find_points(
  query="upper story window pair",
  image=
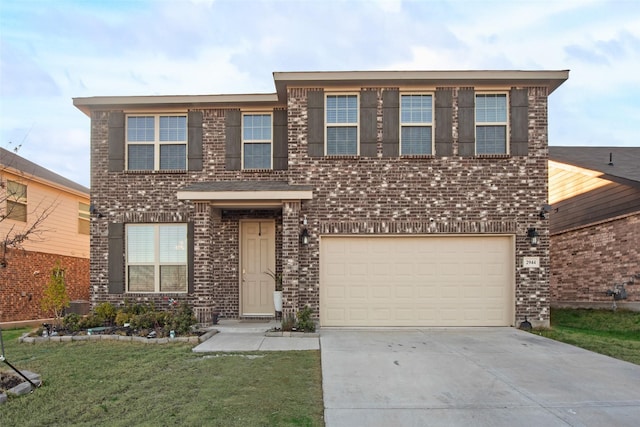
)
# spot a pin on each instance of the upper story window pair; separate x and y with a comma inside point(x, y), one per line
point(159, 142)
point(416, 124)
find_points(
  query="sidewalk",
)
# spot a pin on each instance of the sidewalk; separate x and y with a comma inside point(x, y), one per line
point(238, 335)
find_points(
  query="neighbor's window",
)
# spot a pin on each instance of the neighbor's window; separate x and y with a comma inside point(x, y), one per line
point(156, 257)
point(342, 124)
point(83, 218)
point(416, 123)
point(16, 201)
point(157, 142)
point(256, 141)
point(491, 123)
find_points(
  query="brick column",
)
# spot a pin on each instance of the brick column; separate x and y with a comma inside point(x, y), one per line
point(290, 253)
point(203, 269)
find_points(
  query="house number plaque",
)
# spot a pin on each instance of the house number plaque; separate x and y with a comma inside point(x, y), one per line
point(531, 262)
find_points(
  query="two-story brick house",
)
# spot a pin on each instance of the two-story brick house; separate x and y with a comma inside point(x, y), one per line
point(383, 198)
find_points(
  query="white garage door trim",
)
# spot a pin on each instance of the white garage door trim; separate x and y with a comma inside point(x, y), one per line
point(434, 280)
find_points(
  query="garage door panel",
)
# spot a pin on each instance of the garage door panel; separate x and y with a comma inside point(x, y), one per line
point(416, 281)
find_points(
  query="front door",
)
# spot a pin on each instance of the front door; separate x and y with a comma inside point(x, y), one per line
point(258, 255)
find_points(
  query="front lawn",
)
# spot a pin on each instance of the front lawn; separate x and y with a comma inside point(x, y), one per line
point(122, 384)
point(614, 333)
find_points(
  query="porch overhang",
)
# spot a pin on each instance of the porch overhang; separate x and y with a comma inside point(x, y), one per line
point(245, 194)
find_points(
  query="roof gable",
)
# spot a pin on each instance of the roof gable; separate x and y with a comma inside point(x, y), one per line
point(621, 162)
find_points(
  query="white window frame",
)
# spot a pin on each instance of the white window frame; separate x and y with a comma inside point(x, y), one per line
point(84, 218)
point(479, 124)
point(16, 199)
point(156, 140)
point(156, 263)
point(328, 125)
point(419, 124)
point(256, 141)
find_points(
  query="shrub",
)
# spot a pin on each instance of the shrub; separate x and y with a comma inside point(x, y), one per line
point(305, 323)
point(288, 323)
point(182, 319)
point(91, 321)
point(122, 318)
point(106, 311)
point(72, 322)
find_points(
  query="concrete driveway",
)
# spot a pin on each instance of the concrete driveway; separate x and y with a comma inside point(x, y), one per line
point(471, 377)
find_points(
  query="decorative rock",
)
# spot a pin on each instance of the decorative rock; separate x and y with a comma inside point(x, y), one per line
point(3, 398)
point(20, 389)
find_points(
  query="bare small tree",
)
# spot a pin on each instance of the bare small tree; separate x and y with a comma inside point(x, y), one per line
point(12, 192)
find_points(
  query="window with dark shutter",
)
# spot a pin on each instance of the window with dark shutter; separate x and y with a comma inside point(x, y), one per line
point(390, 123)
point(194, 144)
point(116, 141)
point(233, 148)
point(368, 123)
point(315, 117)
point(280, 140)
point(466, 123)
point(444, 123)
point(519, 121)
point(116, 258)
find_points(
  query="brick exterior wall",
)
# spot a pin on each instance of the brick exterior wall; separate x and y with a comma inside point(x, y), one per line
point(588, 261)
point(27, 274)
point(351, 195)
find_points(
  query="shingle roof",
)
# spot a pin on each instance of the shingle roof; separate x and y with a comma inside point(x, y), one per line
point(625, 161)
point(11, 160)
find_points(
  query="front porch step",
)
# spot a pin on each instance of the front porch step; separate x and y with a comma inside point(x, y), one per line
point(240, 326)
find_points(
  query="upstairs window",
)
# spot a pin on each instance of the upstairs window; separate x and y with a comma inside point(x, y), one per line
point(416, 124)
point(157, 142)
point(257, 139)
point(156, 257)
point(491, 123)
point(83, 218)
point(341, 125)
point(16, 201)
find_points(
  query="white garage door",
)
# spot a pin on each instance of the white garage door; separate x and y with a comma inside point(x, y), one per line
point(417, 281)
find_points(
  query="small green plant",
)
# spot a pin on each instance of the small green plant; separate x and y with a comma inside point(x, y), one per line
point(182, 319)
point(305, 323)
point(91, 321)
point(55, 298)
point(72, 322)
point(107, 311)
point(122, 317)
point(288, 322)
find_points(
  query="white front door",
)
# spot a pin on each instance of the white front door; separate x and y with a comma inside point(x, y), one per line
point(258, 255)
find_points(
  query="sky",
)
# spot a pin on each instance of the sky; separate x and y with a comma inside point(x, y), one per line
point(53, 51)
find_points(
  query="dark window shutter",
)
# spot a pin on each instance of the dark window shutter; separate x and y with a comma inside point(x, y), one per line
point(116, 141)
point(368, 123)
point(444, 122)
point(280, 140)
point(391, 123)
point(116, 258)
point(233, 119)
point(315, 117)
point(190, 257)
point(466, 123)
point(194, 145)
point(519, 99)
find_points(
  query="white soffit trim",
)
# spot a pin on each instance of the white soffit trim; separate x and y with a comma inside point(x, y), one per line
point(245, 195)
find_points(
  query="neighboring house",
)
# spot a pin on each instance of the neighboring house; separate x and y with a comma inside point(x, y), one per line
point(30, 193)
point(595, 225)
point(383, 198)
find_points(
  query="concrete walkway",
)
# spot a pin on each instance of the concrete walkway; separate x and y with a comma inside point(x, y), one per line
point(235, 335)
point(471, 377)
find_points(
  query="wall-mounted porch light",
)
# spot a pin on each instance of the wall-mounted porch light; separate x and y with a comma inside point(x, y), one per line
point(304, 236)
point(533, 235)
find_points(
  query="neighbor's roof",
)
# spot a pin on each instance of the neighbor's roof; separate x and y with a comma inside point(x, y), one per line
point(335, 79)
point(625, 161)
point(19, 164)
